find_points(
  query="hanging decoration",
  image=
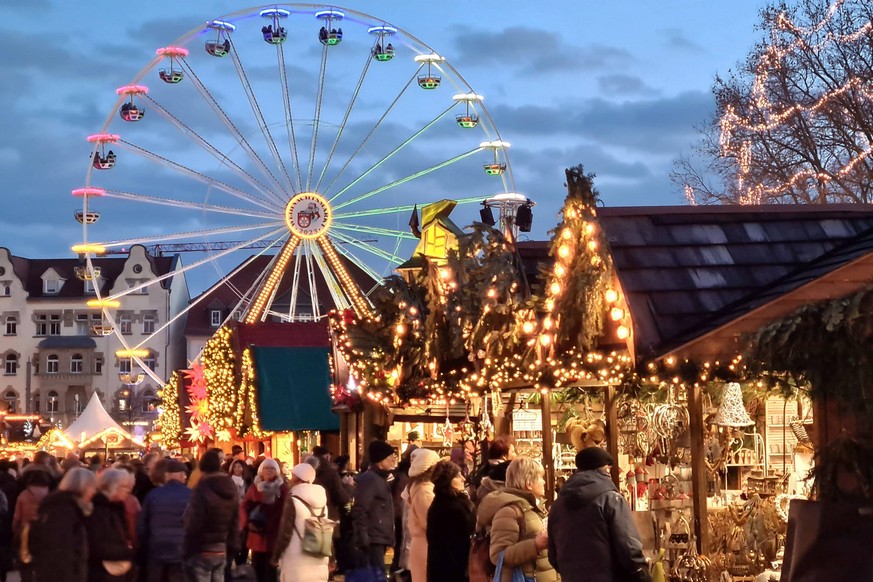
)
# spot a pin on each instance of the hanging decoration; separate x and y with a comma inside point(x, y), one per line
point(199, 430)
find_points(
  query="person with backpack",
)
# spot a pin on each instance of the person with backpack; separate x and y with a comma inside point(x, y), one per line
point(298, 553)
point(514, 518)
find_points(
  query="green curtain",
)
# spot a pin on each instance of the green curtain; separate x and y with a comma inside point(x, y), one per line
point(294, 389)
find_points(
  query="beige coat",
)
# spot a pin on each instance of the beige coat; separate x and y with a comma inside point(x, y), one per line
point(418, 502)
point(503, 511)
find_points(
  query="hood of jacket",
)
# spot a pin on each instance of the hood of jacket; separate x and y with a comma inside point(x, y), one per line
point(66, 498)
point(314, 495)
point(585, 486)
point(497, 500)
point(218, 485)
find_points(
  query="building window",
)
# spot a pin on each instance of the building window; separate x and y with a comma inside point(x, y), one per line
point(54, 327)
point(89, 286)
point(51, 364)
point(98, 365)
point(150, 362)
point(76, 364)
point(11, 399)
point(51, 286)
point(124, 366)
point(148, 324)
point(36, 403)
point(52, 402)
point(124, 324)
point(7, 290)
point(147, 401)
point(83, 324)
point(215, 317)
point(11, 365)
point(41, 324)
point(79, 401)
point(11, 325)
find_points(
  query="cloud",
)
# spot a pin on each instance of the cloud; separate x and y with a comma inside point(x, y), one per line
point(620, 85)
point(676, 39)
point(533, 51)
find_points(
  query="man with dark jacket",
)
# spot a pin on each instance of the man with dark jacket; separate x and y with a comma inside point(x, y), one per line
point(373, 513)
point(592, 537)
point(159, 527)
point(327, 476)
point(211, 522)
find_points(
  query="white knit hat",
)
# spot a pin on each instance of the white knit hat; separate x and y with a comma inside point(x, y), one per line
point(268, 464)
point(305, 472)
point(422, 460)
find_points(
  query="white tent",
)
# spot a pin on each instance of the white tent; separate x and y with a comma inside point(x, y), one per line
point(95, 424)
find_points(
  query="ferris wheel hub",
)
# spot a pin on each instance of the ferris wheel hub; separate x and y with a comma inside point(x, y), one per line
point(308, 215)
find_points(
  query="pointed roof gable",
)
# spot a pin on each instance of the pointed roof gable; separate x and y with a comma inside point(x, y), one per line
point(93, 420)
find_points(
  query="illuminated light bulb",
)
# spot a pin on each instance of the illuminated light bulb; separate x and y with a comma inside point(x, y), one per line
point(589, 228)
point(592, 245)
point(555, 288)
point(560, 271)
point(563, 251)
point(445, 273)
point(491, 293)
point(566, 234)
point(611, 296)
point(545, 339)
point(527, 327)
point(616, 313)
point(671, 360)
point(103, 303)
point(400, 329)
point(547, 323)
point(622, 332)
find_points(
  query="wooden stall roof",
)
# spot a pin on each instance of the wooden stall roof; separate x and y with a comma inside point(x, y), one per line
point(698, 277)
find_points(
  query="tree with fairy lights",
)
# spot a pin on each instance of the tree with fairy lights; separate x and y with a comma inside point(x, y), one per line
point(794, 122)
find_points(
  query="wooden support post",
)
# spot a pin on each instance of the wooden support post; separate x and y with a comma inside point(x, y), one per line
point(612, 432)
point(503, 417)
point(548, 457)
point(698, 468)
point(360, 447)
point(344, 433)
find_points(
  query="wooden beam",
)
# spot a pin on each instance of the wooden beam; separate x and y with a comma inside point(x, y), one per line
point(612, 432)
point(548, 458)
point(698, 469)
point(503, 417)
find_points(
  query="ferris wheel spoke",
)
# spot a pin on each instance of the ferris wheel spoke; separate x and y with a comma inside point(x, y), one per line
point(400, 147)
point(382, 254)
point(336, 290)
point(144, 198)
point(214, 151)
point(345, 120)
point(262, 124)
point(310, 275)
point(193, 233)
point(212, 182)
point(401, 234)
point(369, 135)
point(295, 283)
point(289, 118)
point(408, 178)
point(359, 263)
point(319, 98)
point(194, 265)
point(396, 209)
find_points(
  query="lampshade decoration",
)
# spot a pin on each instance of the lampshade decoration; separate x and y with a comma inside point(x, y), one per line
point(731, 411)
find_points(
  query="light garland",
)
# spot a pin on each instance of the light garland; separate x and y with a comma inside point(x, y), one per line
point(221, 381)
point(170, 417)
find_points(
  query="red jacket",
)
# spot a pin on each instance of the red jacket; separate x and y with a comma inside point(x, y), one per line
point(263, 541)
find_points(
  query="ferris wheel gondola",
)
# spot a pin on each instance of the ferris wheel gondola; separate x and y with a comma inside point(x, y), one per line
point(320, 176)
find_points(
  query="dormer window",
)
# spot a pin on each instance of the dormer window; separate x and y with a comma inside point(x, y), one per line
point(51, 286)
point(215, 317)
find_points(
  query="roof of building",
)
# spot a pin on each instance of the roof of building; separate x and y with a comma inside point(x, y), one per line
point(690, 270)
point(61, 342)
point(226, 293)
point(30, 272)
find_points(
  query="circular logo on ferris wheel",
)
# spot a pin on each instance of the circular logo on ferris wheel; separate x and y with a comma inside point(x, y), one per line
point(308, 215)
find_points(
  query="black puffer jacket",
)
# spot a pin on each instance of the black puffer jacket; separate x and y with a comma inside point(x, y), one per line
point(373, 512)
point(592, 537)
point(107, 540)
point(59, 539)
point(212, 517)
point(450, 523)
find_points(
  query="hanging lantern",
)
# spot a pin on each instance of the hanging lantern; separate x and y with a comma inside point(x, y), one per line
point(731, 411)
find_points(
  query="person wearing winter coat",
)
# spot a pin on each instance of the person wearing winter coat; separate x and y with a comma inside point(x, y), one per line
point(59, 535)
point(450, 523)
point(592, 536)
point(110, 556)
point(305, 499)
point(26, 509)
point(373, 512)
point(515, 520)
point(418, 497)
point(211, 522)
point(159, 527)
point(267, 497)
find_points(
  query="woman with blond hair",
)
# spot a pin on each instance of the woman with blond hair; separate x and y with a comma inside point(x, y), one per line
point(418, 496)
point(515, 519)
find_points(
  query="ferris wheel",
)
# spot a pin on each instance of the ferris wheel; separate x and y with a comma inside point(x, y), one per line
point(299, 132)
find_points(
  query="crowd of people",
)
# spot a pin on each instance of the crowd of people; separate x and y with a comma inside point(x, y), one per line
point(161, 519)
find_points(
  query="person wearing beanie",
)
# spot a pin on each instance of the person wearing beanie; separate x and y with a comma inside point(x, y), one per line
point(211, 521)
point(159, 529)
point(306, 499)
point(592, 536)
point(260, 515)
point(373, 512)
point(417, 499)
